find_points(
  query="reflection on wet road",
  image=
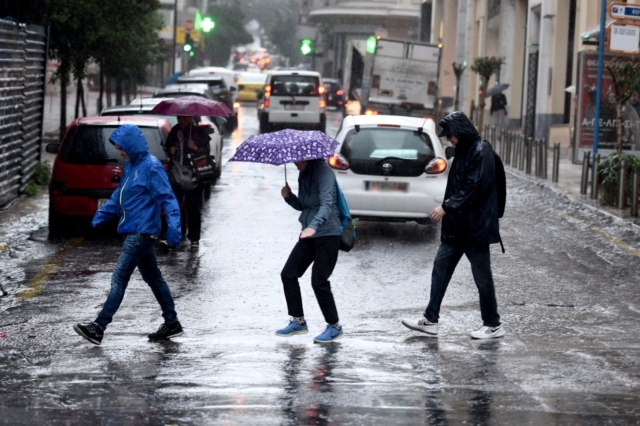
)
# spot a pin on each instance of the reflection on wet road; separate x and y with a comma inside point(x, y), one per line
point(568, 299)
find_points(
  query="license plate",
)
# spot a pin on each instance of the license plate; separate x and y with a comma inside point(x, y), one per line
point(294, 107)
point(384, 186)
point(102, 201)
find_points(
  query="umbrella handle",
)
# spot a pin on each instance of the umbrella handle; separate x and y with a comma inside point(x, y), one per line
point(285, 174)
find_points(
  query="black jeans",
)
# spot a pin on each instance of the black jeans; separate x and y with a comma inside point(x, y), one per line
point(190, 211)
point(323, 253)
point(445, 263)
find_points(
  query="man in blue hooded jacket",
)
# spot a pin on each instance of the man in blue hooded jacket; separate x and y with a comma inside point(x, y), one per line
point(143, 191)
point(469, 217)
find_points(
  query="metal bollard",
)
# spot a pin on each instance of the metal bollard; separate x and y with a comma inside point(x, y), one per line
point(555, 168)
point(545, 158)
point(508, 153)
point(622, 201)
point(501, 143)
point(595, 184)
point(492, 136)
point(634, 194)
point(534, 157)
point(585, 173)
point(528, 155)
point(523, 146)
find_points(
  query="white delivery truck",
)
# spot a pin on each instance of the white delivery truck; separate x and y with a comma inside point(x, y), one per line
point(398, 78)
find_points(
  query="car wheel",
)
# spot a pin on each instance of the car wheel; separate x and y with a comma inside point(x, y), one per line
point(57, 223)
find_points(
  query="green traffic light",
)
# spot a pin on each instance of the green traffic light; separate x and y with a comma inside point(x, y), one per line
point(305, 47)
point(371, 44)
point(207, 24)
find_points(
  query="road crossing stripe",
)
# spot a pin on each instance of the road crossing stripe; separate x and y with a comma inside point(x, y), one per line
point(47, 271)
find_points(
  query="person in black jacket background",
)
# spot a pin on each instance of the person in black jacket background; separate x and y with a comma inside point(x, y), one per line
point(469, 217)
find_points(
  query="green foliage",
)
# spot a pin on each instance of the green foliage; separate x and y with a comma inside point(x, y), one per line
point(228, 32)
point(42, 173)
point(609, 177)
point(485, 67)
point(31, 189)
point(626, 82)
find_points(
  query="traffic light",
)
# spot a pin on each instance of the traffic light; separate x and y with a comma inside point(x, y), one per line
point(188, 44)
point(207, 24)
point(371, 44)
point(306, 47)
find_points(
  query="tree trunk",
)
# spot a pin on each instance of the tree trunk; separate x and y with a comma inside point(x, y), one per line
point(109, 91)
point(63, 104)
point(118, 91)
point(100, 103)
point(456, 105)
point(84, 106)
point(483, 88)
point(619, 126)
point(78, 89)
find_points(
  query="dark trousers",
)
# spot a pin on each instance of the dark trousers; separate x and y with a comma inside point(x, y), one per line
point(190, 211)
point(137, 251)
point(323, 253)
point(445, 263)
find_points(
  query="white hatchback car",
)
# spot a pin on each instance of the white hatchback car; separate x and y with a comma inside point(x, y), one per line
point(391, 168)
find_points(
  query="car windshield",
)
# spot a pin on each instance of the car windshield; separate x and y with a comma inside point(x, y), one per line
point(407, 151)
point(178, 95)
point(214, 84)
point(294, 85)
point(89, 145)
point(253, 78)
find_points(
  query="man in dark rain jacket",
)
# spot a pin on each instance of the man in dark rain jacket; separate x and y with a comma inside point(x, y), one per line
point(469, 217)
point(143, 191)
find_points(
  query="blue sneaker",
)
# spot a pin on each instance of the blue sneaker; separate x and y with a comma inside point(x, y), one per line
point(329, 335)
point(292, 328)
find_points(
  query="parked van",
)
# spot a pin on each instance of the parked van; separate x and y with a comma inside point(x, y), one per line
point(293, 99)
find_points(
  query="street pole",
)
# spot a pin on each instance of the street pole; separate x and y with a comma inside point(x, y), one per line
point(175, 32)
point(596, 125)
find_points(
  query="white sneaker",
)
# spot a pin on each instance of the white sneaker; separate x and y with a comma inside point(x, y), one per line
point(487, 332)
point(423, 325)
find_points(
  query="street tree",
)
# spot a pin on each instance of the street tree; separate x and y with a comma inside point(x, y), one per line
point(626, 82)
point(228, 32)
point(458, 69)
point(485, 67)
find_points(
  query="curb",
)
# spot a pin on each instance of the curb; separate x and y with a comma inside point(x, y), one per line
point(573, 198)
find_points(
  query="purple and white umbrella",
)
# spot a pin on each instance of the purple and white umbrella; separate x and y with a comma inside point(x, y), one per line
point(191, 106)
point(286, 146)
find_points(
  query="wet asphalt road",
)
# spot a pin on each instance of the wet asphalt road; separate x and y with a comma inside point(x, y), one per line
point(567, 290)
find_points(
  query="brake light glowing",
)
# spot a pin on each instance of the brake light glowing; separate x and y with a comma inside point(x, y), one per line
point(236, 105)
point(436, 166)
point(370, 112)
point(321, 89)
point(340, 92)
point(267, 90)
point(338, 162)
point(266, 103)
point(322, 103)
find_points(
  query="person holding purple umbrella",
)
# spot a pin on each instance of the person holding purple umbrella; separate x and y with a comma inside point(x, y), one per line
point(185, 138)
point(319, 243)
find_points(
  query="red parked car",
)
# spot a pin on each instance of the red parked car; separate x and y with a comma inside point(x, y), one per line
point(87, 168)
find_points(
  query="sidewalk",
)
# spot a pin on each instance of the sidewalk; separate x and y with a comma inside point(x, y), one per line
point(568, 185)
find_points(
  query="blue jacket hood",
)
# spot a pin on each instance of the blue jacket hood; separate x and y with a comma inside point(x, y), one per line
point(130, 138)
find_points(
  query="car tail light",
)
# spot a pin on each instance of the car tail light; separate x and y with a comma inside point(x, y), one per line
point(371, 112)
point(322, 103)
point(267, 90)
point(340, 92)
point(320, 90)
point(56, 187)
point(236, 105)
point(436, 166)
point(266, 103)
point(338, 162)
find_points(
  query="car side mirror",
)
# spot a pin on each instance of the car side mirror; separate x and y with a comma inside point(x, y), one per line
point(449, 152)
point(52, 148)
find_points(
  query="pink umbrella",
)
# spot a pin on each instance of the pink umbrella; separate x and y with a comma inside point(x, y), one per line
point(192, 105)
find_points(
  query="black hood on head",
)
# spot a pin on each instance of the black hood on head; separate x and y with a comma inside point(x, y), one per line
point(459, 125)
